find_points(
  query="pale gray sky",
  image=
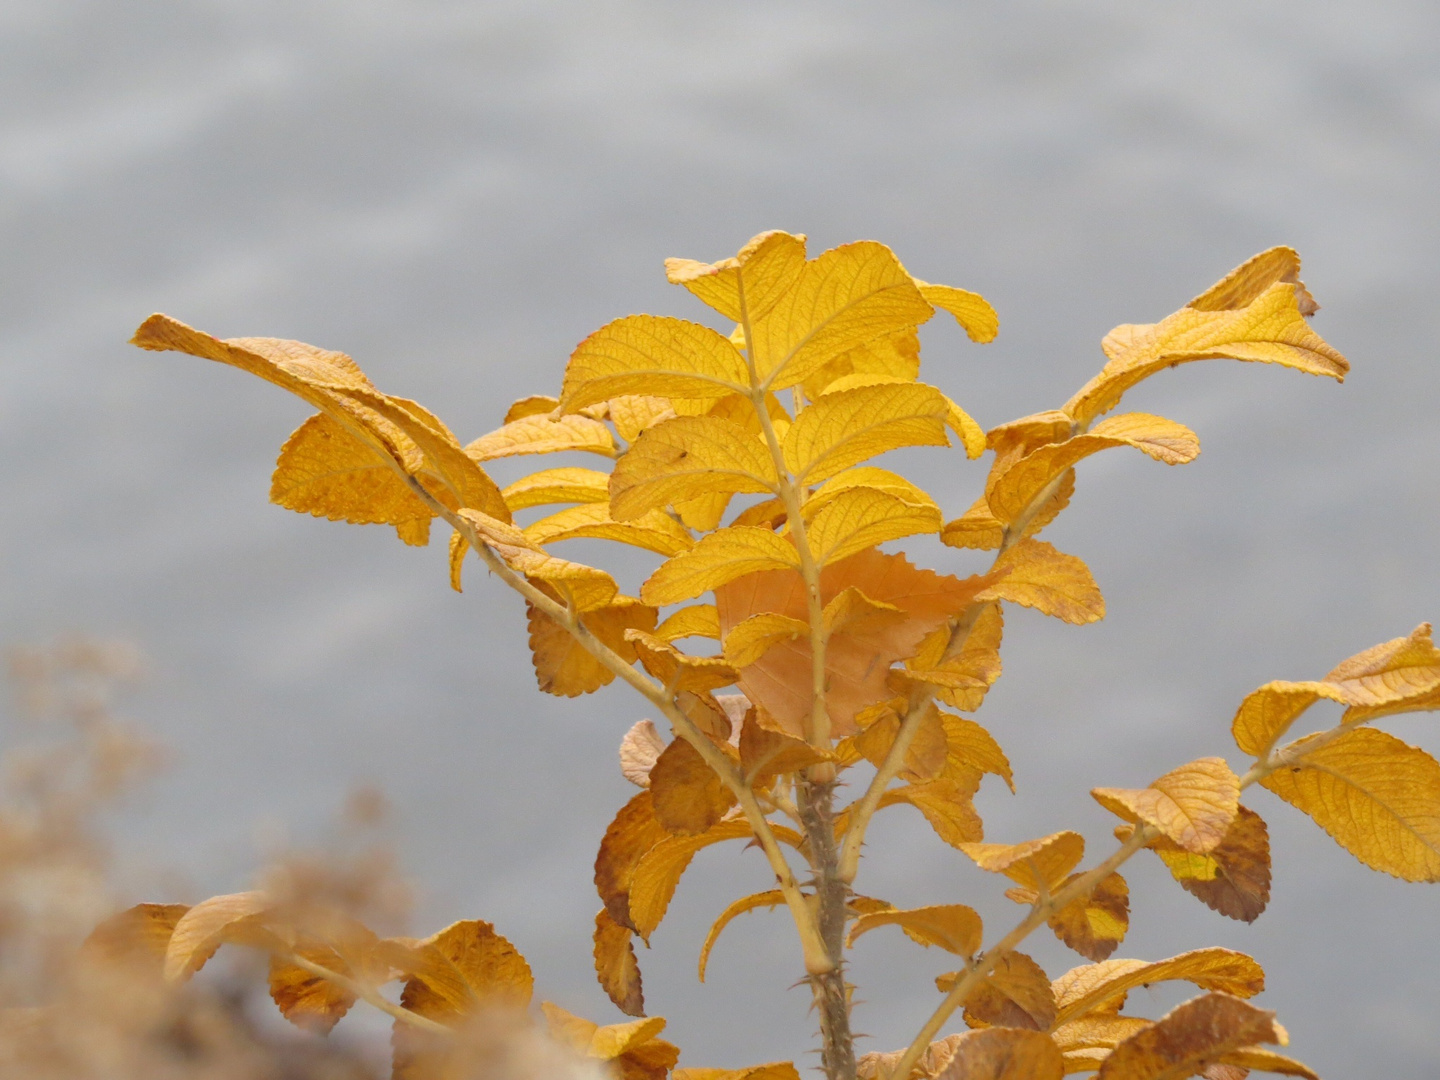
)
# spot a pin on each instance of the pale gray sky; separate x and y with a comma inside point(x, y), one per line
point(457, 192)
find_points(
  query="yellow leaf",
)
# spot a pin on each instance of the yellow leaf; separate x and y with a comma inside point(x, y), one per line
point(766, 754)
point(978, 528)
point(753, 638)
point(1389, 675)
point(491, 971)
point(1234, 878)
point(925, 758)
point(1034, 574)
point(1377, 796)
point(697, 620)
point(687, 794)
point(775, 1070)
point(851, 611)
point(1256, 313)
point(964, 679)
point(1033, 863)
point(972, 435)
point(616, 966)
point(845, 428)
point(584, 587)
point(534, 405)
point(954, 927)
point(686, 457)
point(1083, 989)
point(1259, 1060)
point(848, 296)
point(137, 936)
point(634, 413)
point(704, 512)
point(866, 476)
point(1093, 924)
point(305, 999)
point(1015, 994)
point(947, 805)
point(1189, 1037)
point(544, 434)
point(1003, 1053)
point(567, 485)
point(893, 357)
point(860, 518)
point(718, 558)
point(770, 899)
point(1193, 805)
point(643, 354)
point(566, 668)
point(326, 471)
point(971, 310)
point(653, 531)
point(748, 285)
point(1164, 440)
point(208, 925)
point(1097, 1031)
point(677, 669)
point(1267, 713)
point(632, 833)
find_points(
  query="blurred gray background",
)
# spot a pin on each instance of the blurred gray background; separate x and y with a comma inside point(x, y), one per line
point(457, 192)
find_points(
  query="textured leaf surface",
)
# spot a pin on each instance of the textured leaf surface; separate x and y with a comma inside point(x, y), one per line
point(698, 620)
point(1388, 675)
point(751, 639)
point(688, 797)
point(549, 486)
point(633, 832)
point(1188, 1037)
point(639, 750)
point(860, 518)
point(775, 1070)
point(584, 587)
point(491, 969)
point(645, 354)
point(1193, 805)
point(1046, 861)
point(305, 999)
point(686, 457)
point(1015, 994)
point(1234, 878)
point(717, 559)
point(138, 936)
point(616, 966)
point(980, 529)
point(1267, 713)
point(542, 434)
point(971, 310)
point(843, 429)
point(1377, 796)
point(566, 668)
point(765, 269)
point(206, 926)
point(1083, 989)
point(653, 531)
point(1035, 575)
point(954, 927)
point(677, 669)
point(948, 805)
point(1004, 1054)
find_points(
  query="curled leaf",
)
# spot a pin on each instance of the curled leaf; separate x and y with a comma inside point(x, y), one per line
point(1193, 805)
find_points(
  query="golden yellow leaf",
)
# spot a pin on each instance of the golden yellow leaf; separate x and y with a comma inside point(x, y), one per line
point(893, 357)
point(771, 898)
point(1097, 1031)
point(492, 972)
point(645, 354)
point(856, 663)
point(969, 746)
point(676, 669)
point(208, 925)
point(766, 754)
point(748, 285)
point(859, 518)
point(654, 531)
point(1267, 713)
point(947, 805)
point(851, 611)
point(634, 413)
point(954, 927)
point(1093, 924)
point(659, 871)
point(1034, 574)
point(639, 750)
point(925, 758)
point(684, 458)
point(981, 530)
point(847, 427)
point(748, 641)
point(1083, 989)
point(848, 296)
point(633, 832)
point(305, 999)
point(1033, 863)
point(533, 405)
point(1260, 1060)
point(326, 471)
point(1234, 878)
point(704, 512)
point(1193, 805)
point(544, 434)
point(584, 587)
point(137, 936)
point(775, 1070)
point(616, 966)
point(877, 1066)
point(964, 679)
point(1164, 440)
point(632, 1048)
point(1189, 1037)
point(1015, 994)
point(866, 476)
point(972, 435)
point(717, 559)
point(1387, 678)
point(971, 310)
point(766, 514)
point(687, 794)
point(567, 485)
point(1256, 313)
point(697, 620)
point(563, 666)
point(1377, 796)
point(1003, 1053)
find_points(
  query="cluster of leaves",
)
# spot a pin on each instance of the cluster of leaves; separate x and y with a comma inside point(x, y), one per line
point(768, 516)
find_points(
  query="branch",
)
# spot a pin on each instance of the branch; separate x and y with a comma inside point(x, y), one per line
point(368, 994)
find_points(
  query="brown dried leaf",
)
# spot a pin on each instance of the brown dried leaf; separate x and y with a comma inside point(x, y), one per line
point(1093, 925)
point(634, 831)
point(616, 966)
point(566, 668)
point(639, 749)
point(1234, 878)
point(307, 1000)
point(1002, 1053)
point(766, 753)
point(1193, 805)
point(1015, 994)
point(687, 795)
point(1189, 1037)
point(676, 669)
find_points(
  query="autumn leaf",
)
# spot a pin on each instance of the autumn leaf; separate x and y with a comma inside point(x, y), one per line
point(633, 1049)
point(305, 999)
point(1255, 313)
point(717, 559)
point(137, 937)
point(859, 518)
point(844, 428)
point(769, 899)
point(856, 660)
point(532, 405)
point(698, 620)
point(616, 966)
point(877, 1066)
point(639, 750)
point(653, 531)
point(1015, 994)
point(965, 678)
point(687, 795)
point(1035, 575)
point(751, 639)
point(543, 434)
point(633, 832)
point(679, 670)
point(775, 1070)
point(645, 354)
point(927, 755)
point(566, 668)
point(1097, 1031)
point(954, 927)
point(766, 754)
point(893, 357)
point(946, 804)
point(1093, 924)
point(211, 923)
point(980, 529)
point(1193, 805)
point(1189, 1036)
point(1083, 989)
point(584, 588)
point(1377, 796)
point(1034, 863)
point(1003, 1053)
point(1389, 677)
point(1258, 1059)
point(490, 971)
point(550, 486)
point(866, 476)
point(1233, 878)
point(1267, 713)
point(971, 310)
point(687, 457)
point(748, 285)
point(1020, 485)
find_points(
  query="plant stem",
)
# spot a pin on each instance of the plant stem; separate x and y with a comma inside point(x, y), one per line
point(815, 800)
point(369, 995)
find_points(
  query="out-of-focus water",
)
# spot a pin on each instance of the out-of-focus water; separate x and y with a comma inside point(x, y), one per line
point(456, 193)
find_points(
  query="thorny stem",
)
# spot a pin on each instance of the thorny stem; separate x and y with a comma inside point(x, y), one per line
point(369, 995)
point(685, 728)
